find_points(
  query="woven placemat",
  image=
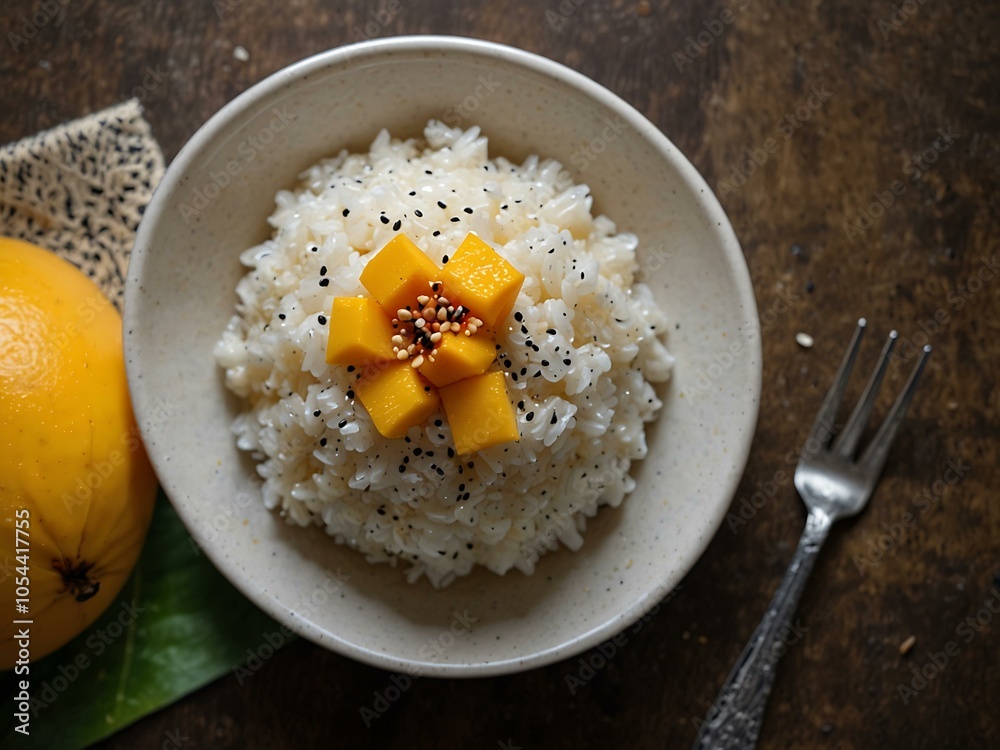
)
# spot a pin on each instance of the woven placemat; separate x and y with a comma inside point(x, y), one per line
point(80, 190)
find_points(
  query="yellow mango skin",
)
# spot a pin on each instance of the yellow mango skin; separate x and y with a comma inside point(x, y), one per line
point(482, 281)
point(479, 412)
point(457, 356)
point(360, 333)
point(396, 398)
point(398, 274)
point(70, 452)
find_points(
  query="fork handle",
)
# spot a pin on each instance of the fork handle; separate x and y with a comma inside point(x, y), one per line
point(734, 722)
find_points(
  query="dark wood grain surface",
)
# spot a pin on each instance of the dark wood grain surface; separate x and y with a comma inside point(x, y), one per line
point(806, 118)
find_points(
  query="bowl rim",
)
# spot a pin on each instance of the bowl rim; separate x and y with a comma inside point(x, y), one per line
point(442, 45)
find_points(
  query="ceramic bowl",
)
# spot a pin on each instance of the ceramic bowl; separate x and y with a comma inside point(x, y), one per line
point(214, 202)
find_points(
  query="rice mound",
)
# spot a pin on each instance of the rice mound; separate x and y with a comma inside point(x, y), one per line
point(580, 351)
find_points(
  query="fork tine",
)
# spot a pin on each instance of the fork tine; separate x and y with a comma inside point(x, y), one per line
point(847, 440)
point(822, 429)
point(874, 456)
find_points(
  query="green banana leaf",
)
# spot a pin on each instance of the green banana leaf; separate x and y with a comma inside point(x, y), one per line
point(176, 626)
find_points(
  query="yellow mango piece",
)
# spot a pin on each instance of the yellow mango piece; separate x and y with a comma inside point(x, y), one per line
point(360, 333)
point(479, 413)
point(482, 281)
point(398, 274)
point(396, 398)
point(458, 356)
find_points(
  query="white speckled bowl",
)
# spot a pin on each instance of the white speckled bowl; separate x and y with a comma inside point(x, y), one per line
point(180, 294)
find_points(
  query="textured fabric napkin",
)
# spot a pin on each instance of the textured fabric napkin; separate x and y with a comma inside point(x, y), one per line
point(80, 190)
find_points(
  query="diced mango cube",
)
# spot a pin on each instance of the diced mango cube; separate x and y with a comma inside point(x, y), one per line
point(396, 398)
point(482, 281)
point(479, 413)
point(457, 356)
point(398, 274)
point(360, 333)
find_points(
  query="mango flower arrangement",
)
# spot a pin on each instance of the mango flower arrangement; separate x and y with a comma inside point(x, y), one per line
point(425, 338)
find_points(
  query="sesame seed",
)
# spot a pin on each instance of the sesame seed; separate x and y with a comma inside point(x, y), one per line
point(346, 212)
point(384, 219)
point(444, 260)
point(281, 316)
point(322, 270)
point(442, 204)
point(399, 223)
point(321, 320)
point(529, 416)
point(467, 210)
point(324, 282)
point(518, 317)
point(418, 213)
point(341, 424)
point(455, 218)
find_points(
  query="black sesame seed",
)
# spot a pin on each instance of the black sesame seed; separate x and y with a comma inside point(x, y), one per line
point(554, 418)
point(418, 213)
point(567, 361)
point(417, 451)
point(281, 316)
point(322, 442)
point(518, 317)
point(346, 211)
point(317, 413)
point(442, 204)
point(529, 416)
point(384, 219)
point(455, 218)
point(322, 270)
point(321, 320)
point(342, 423)
point(444, 260)
point(402, 468)
point(506, 363)
point(397, 225)
point(551, 331)
point(438, 423)
point(380, 511)
point(413, 192)
point(545, 363)
point(350, 368)
point(350, 394)
point(467, 210)
point(324, 282)
point(520, 405)
point(437, 233)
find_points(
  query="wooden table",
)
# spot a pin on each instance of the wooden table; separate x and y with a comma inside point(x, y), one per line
point(857, 152)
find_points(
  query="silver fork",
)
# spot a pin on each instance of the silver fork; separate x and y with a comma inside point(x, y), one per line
point(834, 483)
